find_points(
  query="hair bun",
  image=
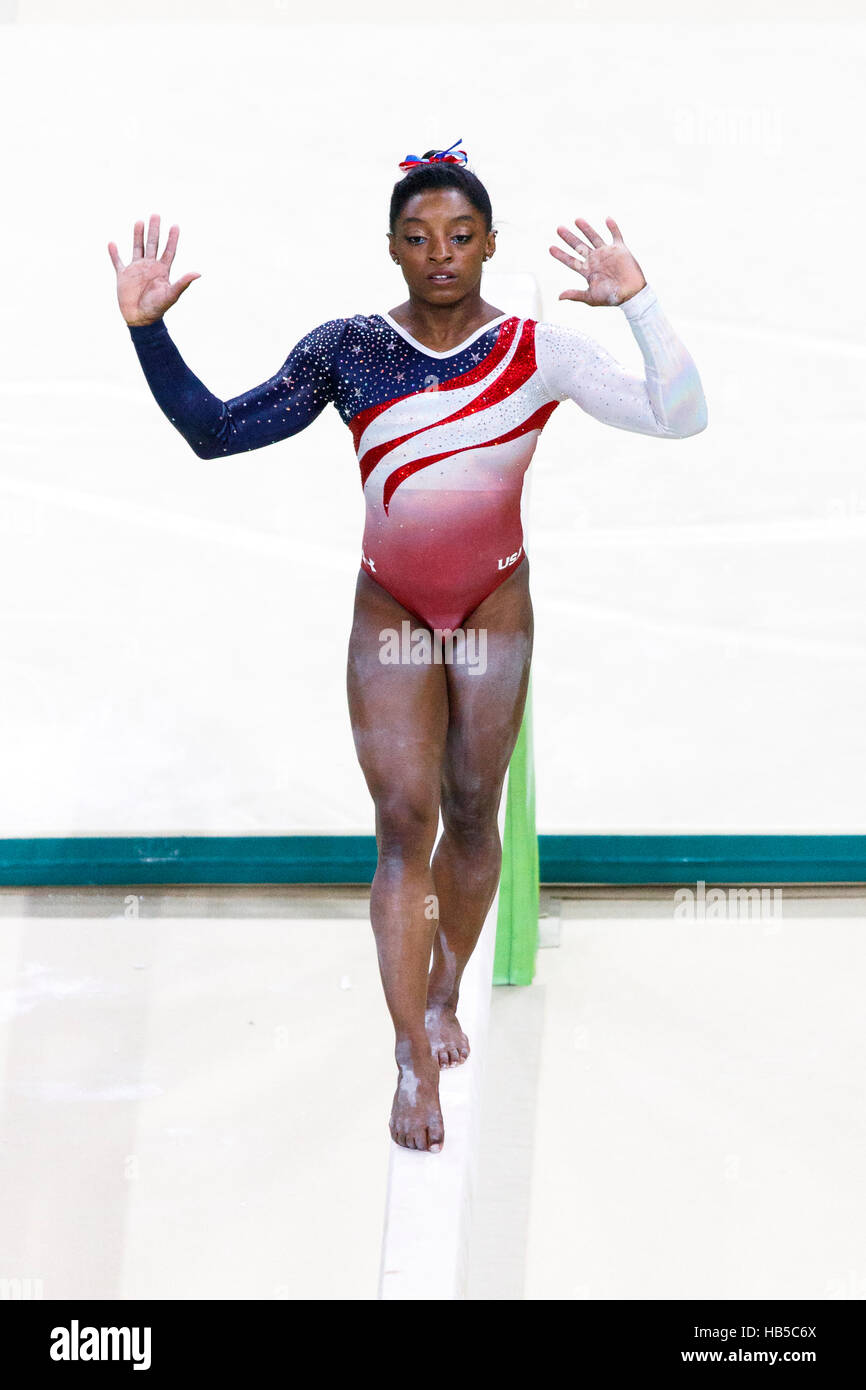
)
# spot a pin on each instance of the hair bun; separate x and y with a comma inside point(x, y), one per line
point(452, 155)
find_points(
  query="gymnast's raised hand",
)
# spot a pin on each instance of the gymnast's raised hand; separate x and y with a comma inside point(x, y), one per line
point(611, 271)
point(144, 291)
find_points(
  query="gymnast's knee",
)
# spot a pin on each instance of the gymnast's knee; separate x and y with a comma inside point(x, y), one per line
point(406, 826)
point(470, 817)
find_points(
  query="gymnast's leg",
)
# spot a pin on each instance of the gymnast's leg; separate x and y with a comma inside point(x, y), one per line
point(399, 716)
point(485, 713)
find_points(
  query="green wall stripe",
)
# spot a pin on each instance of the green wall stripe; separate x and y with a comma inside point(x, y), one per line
point(653, 859)
point(189, 859)
point(324, 859)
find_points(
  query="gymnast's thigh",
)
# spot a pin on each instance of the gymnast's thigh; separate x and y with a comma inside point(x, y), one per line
point(398, 711)
point(485, 707)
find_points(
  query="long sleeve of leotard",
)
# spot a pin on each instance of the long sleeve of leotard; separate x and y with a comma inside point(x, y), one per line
point(668, 400)
point(281, 406)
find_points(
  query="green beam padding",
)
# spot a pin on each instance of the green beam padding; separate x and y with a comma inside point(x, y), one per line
point(517, 921)
point(87, 861)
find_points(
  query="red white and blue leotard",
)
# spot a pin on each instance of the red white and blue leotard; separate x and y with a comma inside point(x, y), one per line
point(443, 439)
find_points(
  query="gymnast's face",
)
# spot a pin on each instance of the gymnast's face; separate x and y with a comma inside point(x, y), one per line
point(440, 243)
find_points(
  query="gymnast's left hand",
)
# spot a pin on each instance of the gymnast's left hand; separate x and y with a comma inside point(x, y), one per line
point(610, 270)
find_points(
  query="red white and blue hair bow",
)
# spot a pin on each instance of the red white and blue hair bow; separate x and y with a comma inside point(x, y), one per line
point(412, 161)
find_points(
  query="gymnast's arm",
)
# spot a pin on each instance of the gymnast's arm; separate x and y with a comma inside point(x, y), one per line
point(281, 406)
point(667, 401)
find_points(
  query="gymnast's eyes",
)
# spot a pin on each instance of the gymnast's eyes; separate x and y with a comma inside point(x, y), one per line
point(458, 236)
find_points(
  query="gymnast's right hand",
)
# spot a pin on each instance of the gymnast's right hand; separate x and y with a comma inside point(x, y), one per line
point(143, 288)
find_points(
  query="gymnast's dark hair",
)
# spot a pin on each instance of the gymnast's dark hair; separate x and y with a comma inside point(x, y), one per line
point(440, 176)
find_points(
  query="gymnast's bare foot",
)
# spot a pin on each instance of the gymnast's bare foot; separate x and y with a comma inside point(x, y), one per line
point(448, 1043)
point(416, 1120)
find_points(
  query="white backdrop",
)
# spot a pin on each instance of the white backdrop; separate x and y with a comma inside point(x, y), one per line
point(173, 631)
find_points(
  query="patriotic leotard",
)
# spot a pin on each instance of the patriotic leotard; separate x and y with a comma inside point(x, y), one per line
point(443, 439)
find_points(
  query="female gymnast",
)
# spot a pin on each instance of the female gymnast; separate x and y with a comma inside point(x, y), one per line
point(445, 396)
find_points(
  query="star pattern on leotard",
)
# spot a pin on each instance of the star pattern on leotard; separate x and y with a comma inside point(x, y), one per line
point(365, 373)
